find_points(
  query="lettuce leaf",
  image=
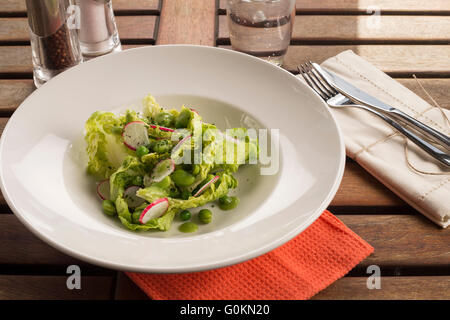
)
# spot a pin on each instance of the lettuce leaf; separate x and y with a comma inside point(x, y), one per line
point(122, 178)
point(150, 107)
point(105, 149)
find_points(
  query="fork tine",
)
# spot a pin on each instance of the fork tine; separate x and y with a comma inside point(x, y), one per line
point(320, 81)
point(324, 81)
point(304, 72)
point(316, 81)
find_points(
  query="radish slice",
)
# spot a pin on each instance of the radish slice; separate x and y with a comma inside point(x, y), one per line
point(131, 198)
point(193, 110)
point(135, 134)
point(180, 144)
point(206, 186)
point(161, 128)
point(103, 188)
point(154, 210)
point(162, 170)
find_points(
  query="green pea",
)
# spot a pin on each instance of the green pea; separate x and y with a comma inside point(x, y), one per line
point(138, 181)
point(162, 146)
point(117, 130)
point(185, 215)
point(185, 194)
point(228, 203)
point(174, 192)
point(164, 119)
point(109, 208)
point(183, 119)
point(205, 216)
point(142, 151)
point(135, 217)
point(188, 227)
point(195, 169)
point(164, 183)
point(182, 178)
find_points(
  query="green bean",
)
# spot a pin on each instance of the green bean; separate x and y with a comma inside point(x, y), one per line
point(228, 203)
point(164, 183)
point(182, 178)
point(205, 216)
point(188, 227)
point(109, 208)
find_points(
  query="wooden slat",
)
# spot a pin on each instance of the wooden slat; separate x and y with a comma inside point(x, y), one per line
point(17, 59)
point(423, 60)
point(437, 88)
point(127, 289)
point(402, 241)
point(361, 6)
point(187, 22)
point(24, 287)
point(21, 247)
point(394, 59)
point(359, 188)
point(130, 28)
point(345, 288)
point(392, 288)
point(361, 28)
point(13, 92)
point(399, 241)
point(18, 6)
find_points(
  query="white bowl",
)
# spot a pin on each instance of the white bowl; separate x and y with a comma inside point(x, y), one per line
point(42, 160)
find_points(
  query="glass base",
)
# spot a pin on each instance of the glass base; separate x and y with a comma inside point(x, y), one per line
point(42, 75)
point(93, 50)
point(278, 61)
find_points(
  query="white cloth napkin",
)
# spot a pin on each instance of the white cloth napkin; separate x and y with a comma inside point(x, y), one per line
point(423, 183)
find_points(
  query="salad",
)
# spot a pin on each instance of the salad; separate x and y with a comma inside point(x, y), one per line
point(158, 163)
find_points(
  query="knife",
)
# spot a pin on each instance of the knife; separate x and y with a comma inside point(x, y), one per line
point(362, 97)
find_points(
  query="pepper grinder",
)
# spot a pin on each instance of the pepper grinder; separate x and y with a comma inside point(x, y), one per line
point(55, 46)
point(98, 30)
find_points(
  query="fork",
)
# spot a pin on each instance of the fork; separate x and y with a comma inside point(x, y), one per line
point(336, 100)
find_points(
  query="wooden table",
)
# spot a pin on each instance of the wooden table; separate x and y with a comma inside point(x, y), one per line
point(412, 252)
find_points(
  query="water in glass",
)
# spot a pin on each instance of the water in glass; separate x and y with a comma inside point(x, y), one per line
point(261, 28)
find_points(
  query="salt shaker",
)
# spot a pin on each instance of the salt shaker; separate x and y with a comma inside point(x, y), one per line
point(98, 31)
point(54, 45)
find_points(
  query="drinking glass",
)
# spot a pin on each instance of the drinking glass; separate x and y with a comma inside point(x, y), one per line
point(262, 28)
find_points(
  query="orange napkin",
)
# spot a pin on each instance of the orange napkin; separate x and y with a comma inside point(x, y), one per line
point(299, 269)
